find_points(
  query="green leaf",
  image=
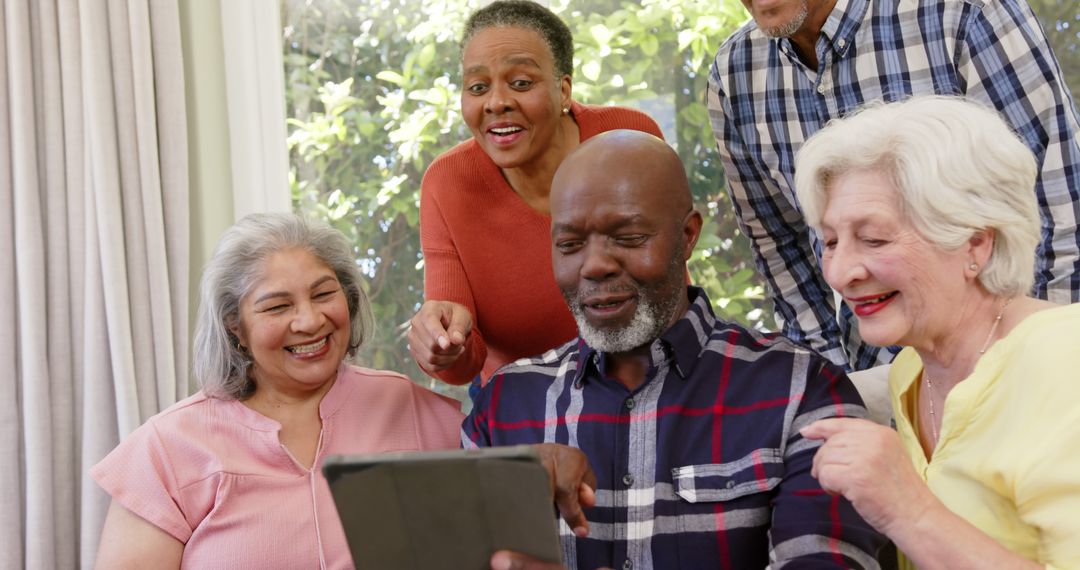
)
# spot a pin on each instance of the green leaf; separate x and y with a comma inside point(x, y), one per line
point(433, 96)
point(650, 45)
point(601, 34)
point(695, 114)
point(685, 37)
point(427, 55)
point(390, 76)
point(591, 70)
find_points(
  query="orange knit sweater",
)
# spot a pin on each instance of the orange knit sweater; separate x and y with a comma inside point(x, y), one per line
point(486, 249)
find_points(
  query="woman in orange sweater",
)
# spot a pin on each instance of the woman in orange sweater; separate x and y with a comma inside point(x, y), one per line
point(484, 220)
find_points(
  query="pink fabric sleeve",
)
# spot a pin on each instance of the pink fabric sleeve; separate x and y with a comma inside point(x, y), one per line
point(438, 419)
point(139, 475)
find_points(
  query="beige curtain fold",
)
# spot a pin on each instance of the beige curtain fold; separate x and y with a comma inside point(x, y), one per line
point(93, 256)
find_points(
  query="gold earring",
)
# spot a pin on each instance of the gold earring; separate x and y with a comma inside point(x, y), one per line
point(566, 110)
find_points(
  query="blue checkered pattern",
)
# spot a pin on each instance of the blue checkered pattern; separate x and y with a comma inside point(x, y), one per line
point(703, 465)
point(763, 103)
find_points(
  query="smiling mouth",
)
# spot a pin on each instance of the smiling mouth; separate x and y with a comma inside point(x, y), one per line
point(503, 131)
point(308, 348)
point(607, 308)
point(878, 299)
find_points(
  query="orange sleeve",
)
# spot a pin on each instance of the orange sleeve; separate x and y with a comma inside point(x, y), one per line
point(444, 276)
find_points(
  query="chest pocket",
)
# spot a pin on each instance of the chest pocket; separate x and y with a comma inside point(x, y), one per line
point(759, 471)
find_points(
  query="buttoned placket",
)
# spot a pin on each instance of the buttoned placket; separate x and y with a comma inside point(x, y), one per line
point(641, 433)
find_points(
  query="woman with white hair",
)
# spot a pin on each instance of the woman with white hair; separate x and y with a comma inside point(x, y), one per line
point(928, 220)
point(231, 477)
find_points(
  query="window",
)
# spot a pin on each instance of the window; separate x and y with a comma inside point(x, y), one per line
point(372, 96)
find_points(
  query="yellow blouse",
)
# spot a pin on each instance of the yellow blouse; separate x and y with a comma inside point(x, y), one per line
point(1008, 459)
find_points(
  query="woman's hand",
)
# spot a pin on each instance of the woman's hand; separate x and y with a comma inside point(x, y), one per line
point(438, 333)
point(866, 463)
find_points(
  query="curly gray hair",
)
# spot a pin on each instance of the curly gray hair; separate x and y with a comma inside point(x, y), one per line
point(530, 16)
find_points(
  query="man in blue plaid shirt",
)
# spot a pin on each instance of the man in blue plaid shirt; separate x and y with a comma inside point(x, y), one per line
point(800, 63)
point(691, 424)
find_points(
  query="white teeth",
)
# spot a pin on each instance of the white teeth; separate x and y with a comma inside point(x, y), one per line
point(876, 299)
point(305, 348)
point(505, 130)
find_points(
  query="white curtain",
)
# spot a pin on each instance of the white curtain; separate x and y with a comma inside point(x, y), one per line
point(93, 256)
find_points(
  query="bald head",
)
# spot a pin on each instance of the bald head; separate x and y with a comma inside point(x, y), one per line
point(622, 228)
point(625, 161)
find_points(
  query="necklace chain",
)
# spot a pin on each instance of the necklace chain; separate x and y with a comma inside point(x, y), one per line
point(982, 351)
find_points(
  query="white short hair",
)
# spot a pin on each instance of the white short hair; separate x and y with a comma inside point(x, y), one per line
point(957, 168)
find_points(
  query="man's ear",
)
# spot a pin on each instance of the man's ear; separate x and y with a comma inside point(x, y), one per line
point(691, 232)
point(566, 89)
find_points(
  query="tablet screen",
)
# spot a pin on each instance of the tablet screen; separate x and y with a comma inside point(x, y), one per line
point(444, 509)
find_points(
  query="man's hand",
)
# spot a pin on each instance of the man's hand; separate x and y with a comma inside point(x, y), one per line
point(438, 333)
point(573, 483)
point(510, 560)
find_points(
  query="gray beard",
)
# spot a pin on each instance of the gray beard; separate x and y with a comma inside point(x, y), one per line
point(793, 25)
point(648, 323)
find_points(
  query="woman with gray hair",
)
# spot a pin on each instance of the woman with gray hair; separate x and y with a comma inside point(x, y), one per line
point(231, 477)
point(926, 213)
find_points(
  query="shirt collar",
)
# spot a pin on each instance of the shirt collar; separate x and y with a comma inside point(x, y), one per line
point(331, 402)
point(839, 28)
point(843, 22)
point(681, 343)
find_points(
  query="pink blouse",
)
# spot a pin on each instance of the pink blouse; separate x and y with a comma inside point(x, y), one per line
point(213, 474)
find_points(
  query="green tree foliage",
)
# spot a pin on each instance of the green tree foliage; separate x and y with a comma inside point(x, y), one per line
point(373, 97)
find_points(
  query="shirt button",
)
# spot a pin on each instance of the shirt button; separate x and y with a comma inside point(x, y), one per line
point(628, 479)
point(629, 403)
point(730, 484)
point(841, 42)
point(821, 89)
point(628, 564)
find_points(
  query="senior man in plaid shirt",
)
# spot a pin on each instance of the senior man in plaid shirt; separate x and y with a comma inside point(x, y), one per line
point(691, 424)
point(800, 63)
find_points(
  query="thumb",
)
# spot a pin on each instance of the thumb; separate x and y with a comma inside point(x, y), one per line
point(824, 429)
point(504, 560)
point(508, 560)
point(460, 325)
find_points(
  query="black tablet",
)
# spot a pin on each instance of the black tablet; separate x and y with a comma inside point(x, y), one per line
point(444, 509)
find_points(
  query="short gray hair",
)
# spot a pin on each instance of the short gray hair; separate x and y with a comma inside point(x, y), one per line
point(530, 16)
point(219, 364)
point(957, 168)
